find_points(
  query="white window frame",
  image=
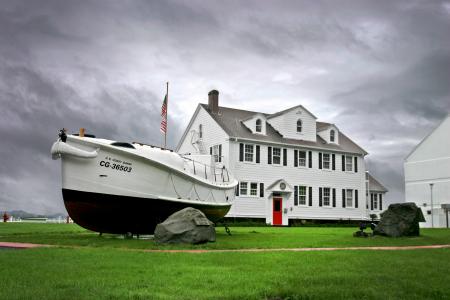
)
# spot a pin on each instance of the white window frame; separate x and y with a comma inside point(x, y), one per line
point(248, 146)
point(258, 126)
point(375, 201)
point(324, 196)
point(349, 197)
point(329, 161)
point(299, 125)
point(253, 190)
point(247, 186)
point(299, 196)
point(278, 156)
point(332, 135)
point(348, 166)
point(215, 153)
point(301, 159)
point(241, 188)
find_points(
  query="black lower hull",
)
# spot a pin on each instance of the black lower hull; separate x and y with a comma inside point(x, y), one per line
point(122, 214)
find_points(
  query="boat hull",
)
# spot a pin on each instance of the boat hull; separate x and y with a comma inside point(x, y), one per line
point(124, 214)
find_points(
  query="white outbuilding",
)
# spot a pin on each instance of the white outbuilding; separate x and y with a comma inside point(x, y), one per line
point(427, 176)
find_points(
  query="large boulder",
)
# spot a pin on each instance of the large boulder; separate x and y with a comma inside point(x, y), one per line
point(188, 225)
point(401, 219)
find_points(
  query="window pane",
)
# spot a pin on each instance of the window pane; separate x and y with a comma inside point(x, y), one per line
point(349, 163)
point(276, 156)
point(243, 186)
point(302, 158)
point(326, 196)
point(253, 189)
point(302, 195)
point(248, 155)
point(349, 198)
point(326, 161)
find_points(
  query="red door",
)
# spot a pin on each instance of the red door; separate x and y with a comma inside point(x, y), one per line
point(277, 214)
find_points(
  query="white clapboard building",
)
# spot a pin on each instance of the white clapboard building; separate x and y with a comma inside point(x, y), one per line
point(289, 165)
point(427, 176)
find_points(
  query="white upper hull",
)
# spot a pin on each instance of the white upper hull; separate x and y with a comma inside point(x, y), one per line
point(95, 165)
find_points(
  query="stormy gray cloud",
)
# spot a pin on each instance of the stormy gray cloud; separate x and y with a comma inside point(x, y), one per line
point(379, 70)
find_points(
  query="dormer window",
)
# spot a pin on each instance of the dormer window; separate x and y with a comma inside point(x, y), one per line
point(258, 125)
point(332, 136)
point(299, 125)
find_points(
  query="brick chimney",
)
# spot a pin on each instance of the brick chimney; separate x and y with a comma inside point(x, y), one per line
point(213, 101)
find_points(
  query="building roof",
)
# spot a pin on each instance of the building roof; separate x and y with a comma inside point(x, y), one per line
point(375, 185)
point(230, 119)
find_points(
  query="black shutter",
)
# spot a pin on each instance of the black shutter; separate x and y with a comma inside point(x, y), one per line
point(320, 160)
point(343, 197)
point(284, 157)
point(333, 161)
point(220, 153)
point(371, 201)
point(310, 196)
point(295, 195)
point(380, 196)
point(269, 155)
point(334, 197)
point(310, 158)
point(343, 162)
point(210, 150)
point(320, 196)
point(356, 164)
point(241, 152)
point(237, 189)
point(261, 190)
point(356, 198)
point(295, 158)
point(257, 154)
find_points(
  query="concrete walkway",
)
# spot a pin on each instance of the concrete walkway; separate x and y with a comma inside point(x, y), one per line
point(376, 248)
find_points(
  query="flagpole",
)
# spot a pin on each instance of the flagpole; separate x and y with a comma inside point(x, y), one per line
point(167, 115)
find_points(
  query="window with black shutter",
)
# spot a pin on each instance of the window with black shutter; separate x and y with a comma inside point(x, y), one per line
point(343, 197)
point(295, 158)
point(371, 201)
point(237, 190)
point(356, 164)
point(343, 162)
point(310, 195)
point(295, 195)
point(241, 152)
point(220, 153)
point(257, 154)
point(284, 157)
point(310, 159)
point(320, 160)
point(261, 190)
point(333, 162)
point(334, 197)
point(269, 155)
point(210, 150)
point(356, 198)
point(320, 196)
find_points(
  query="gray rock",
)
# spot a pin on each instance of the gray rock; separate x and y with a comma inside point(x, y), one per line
point(400, 219)
point(188, 225)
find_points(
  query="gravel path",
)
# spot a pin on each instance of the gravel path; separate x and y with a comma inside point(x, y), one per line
point(9, 245)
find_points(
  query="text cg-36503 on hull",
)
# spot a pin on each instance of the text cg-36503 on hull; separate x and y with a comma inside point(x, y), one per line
point(115, 187)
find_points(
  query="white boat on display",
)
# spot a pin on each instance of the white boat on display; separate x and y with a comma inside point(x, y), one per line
point(120, 187)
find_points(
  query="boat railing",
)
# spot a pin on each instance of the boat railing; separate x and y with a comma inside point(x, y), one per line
point(208, 172)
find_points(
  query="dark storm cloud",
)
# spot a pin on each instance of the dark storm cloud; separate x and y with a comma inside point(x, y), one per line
point(378, 69)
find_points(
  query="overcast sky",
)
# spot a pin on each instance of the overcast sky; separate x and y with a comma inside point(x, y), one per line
point(379, 70)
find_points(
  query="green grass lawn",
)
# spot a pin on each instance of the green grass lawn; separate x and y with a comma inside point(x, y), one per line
point(105, 268)
point(242, 237)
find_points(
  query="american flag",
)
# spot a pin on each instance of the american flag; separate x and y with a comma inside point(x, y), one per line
point(163, 127)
